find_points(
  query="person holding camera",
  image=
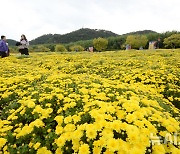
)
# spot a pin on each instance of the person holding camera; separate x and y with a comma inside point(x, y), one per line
point(23, 45)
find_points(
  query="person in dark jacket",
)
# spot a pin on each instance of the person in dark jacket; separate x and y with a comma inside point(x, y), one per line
point(3, 47)
point(23, 47)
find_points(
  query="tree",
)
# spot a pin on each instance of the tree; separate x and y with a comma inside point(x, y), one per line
point(100, 44)
point(172, 41)
point(137, 41)
point(115, 43)
point(76, 48)
point(153, 36)
point(60, 48)
point(50, 46)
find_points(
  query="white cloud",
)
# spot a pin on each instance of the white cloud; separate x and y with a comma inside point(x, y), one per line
point(38, 17)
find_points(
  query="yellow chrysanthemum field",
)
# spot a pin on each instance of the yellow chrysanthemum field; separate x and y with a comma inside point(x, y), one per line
point(124, 102)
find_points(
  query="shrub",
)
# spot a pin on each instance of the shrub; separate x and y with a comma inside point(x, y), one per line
point(76, 48)
point(100, 44)
point(50, 46)
point(173, 41)
point(136, 41)
point(41, 48)
point(60, 48)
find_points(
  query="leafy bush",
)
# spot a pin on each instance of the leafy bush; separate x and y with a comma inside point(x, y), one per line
point(40, 48)
point(172, 41)
point(136, 41)
point(76, 48)
point(50, 46)
point(60, 48)
point(100, 44)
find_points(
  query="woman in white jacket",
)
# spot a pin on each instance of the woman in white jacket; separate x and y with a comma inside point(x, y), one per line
point(23, 48)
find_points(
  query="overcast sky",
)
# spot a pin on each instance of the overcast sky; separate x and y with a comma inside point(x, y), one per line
point(37, 17)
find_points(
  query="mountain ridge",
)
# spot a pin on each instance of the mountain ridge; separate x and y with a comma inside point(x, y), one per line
point(82, 34)
point(77, 35)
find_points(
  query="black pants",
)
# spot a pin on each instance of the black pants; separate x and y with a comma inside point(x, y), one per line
point(3, 54)
point(24, 51)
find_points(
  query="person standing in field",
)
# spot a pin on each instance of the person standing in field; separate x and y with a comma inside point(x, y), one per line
point(23, 47)
point(3, 47)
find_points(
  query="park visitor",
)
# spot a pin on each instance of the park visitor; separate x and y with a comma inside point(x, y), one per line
point(23, 45)
point(3, 47)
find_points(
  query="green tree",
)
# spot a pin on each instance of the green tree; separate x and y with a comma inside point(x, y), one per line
point(60, 48)
point(136, 41)
point(100, 44)
point(76, 48)
point(172, 41)
point(50, 46)
point(153, 36)
point(115, 43)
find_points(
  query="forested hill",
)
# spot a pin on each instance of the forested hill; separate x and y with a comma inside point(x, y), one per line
point(11, 42)
point(78, 35)
point(143, 32)
point(81, 34)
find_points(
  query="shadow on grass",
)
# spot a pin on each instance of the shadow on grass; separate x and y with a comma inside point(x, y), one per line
point(23, 56)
